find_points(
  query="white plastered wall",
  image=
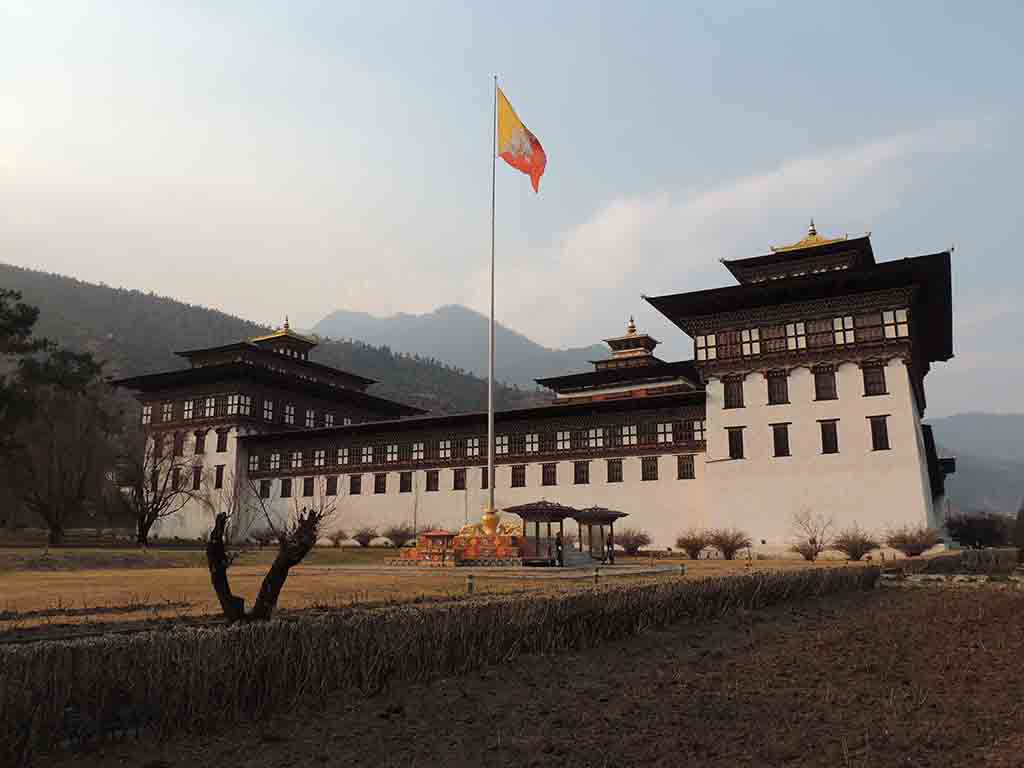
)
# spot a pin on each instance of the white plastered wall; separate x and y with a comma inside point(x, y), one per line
point(878, 490)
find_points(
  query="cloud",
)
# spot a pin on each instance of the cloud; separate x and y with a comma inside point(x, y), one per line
point(671, 241)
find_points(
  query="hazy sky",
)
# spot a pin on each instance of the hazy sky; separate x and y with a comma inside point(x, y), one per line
point(265, 158)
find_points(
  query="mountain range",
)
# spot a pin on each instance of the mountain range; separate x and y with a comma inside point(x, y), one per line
point(458, 336)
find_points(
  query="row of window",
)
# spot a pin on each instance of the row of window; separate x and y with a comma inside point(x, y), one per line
point(824, 385)
point(240, 405)
point(549, 477)
point(829, 437)
point(810, 334)
point(660, 433)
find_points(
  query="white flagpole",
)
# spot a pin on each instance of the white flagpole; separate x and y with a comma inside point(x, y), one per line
point(490, 363)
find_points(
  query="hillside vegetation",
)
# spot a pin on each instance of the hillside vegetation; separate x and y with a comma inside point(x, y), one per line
point(138, 332)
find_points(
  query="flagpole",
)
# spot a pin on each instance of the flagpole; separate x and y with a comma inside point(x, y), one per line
point(490, 363)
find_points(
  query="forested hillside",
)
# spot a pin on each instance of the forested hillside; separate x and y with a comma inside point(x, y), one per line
point(138, 332)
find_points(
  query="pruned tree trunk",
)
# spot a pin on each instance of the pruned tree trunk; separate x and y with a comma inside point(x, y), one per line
point(55, 537)
point(142, 529)
point(270, 589)
point(218, 562)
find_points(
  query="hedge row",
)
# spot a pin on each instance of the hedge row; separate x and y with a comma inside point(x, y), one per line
point(184, 678)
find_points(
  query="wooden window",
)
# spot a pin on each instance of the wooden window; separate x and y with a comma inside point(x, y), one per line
point(698, 430)
point(445, 449)
point(796, 336)
point(167, 411)
point(879, 433)
point(245, 405)
point(649, 468)
point(268, 410)
point(254, 463)
point(459, 479)
point(218, 476)
point(729, 344)
point(433, 480)
point(897, 324)
point(275, 461)
point(417, 451)
point(819, 333)
point(665, 432)
point(200, 442)
point(685, 468)
point(483, 478)
point(874, 379)
point(547, 442)
point(472, 446)
point(829, 435)
point(265, 486)
point(517, 445)
point(549, 474)
point(296, 459)
point(179, 444)
point(501, 445)
point(733, 393)
point(380, 483)
point(367, 454)
point(735, 442)
point(319, 457)
point(232, 405)
point(307, 486)
point(629, 434)
point(332, 485)
point(581, 472)
point(346, 421)
point(286, 487)
point(532, 442)
point(187, 410)
point(773, 339)
point(405, 482)
point(563, 441)
point(595, 438)
point(378, 454)
point(147, 414)
point(392, 454)
point(342, 456)
point(310, 418)
point(780, 439)
point(222, 440)
point(519, 476)
point(868, 326)
point(751, 342)
point(614, 470)
point(825, 383)
point(328, 419)
point(210, 407)
point(197, 478)
point(778, 387)
point(289, 413)
point(355, 485)
point(705, 347)
point(842, 330)
point(578, 439)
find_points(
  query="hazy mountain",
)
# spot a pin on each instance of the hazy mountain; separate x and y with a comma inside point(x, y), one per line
point(139, 332)
point(989, 451)
point(458, 336)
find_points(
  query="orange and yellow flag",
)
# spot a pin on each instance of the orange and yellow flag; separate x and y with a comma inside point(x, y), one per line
point(517, 146)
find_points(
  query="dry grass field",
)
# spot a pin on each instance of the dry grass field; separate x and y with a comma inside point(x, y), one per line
point(75, 590)
point(925, 678)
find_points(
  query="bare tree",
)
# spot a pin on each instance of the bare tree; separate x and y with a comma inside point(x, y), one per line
point(855, 542)
point(365, 535)
point(693, 542)
point(812, 534)
point(399, 535)
point(153, 481)
point(296, 536)
point(729, 541)
point(631, 540)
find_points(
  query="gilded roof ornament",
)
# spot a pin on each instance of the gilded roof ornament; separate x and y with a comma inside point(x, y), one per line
point(813, 239)
point(631, 328)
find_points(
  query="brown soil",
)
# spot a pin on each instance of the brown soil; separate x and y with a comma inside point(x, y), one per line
point(886, 678)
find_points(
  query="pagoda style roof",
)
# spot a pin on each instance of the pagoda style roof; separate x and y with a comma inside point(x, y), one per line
point(598, 515)
point(211, 374)
point(542, 511)
point(812, 253)
point(285, 332)
point(930, 274)
point(654, 371)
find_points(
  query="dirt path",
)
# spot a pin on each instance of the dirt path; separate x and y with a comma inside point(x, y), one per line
point(891, 677)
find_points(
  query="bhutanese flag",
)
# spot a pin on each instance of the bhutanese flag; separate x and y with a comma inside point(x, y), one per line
point(517, 146)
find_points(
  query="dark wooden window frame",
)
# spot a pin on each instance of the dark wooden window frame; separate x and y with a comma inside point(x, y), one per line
point(549, 474)
point(685, 467)
point(874, 379)
point(778, 387)
point(829, 436)
point(735, 437)
point(648, 468)
point(880, 433)
point(518, 475)
point(581, 473)
point(780, 440)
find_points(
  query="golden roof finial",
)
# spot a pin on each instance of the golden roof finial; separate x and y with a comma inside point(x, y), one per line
point(812, 239)
point(811, 231)
point(631, 328)
point(286, 326)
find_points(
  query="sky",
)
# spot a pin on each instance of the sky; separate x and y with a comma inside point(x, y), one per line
point(270, 158)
